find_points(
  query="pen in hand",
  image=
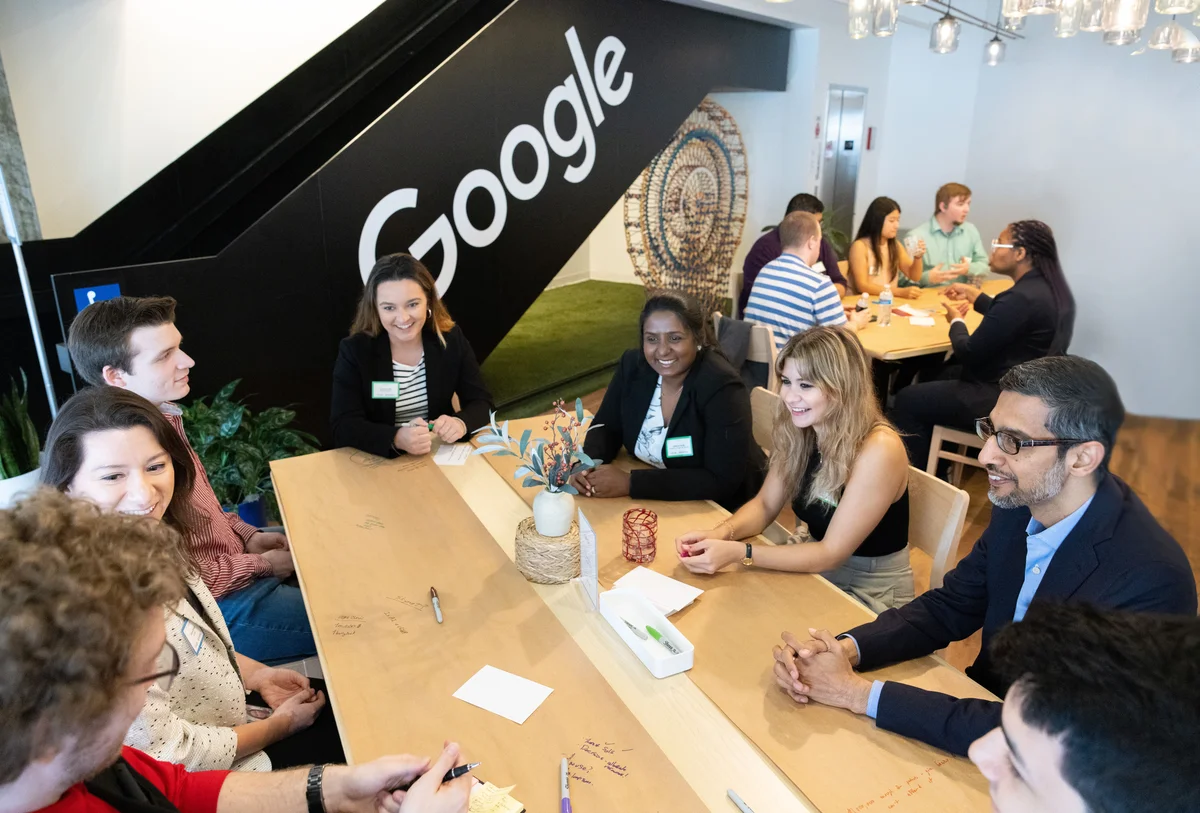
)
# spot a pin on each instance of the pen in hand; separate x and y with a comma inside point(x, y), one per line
point(451, 775)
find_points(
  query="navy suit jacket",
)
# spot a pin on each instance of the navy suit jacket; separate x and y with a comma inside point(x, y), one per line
point(1118, 557)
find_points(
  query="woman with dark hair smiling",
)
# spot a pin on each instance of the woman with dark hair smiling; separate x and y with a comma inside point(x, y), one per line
point(877, 258)
point(112, 447)
point(401, 365)
point(677, 405)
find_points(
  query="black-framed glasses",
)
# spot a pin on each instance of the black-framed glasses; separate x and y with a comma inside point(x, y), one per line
point(167, 667)
point(1010, 443)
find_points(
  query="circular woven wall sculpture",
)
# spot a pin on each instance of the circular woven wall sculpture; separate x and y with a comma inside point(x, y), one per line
point(684, 215)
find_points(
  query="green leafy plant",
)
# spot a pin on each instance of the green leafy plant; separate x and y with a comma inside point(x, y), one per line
point(546, 462)
point(236, 446)
point(19, 442)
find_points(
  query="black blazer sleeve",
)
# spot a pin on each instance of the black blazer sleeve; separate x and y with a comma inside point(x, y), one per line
point(348, 407)
point(474, 398)
point(603, 442)
point(949, 723)
point(1004, 319)
point(932, 620)
point(727, 437)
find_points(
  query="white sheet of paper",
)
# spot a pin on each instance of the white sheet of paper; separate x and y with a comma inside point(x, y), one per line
point(921, 321)
point(666, 594)
point(452, 454)
point(589, 572)
point(503, 693)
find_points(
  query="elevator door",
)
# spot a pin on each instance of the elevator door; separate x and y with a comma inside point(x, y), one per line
point(842, 153)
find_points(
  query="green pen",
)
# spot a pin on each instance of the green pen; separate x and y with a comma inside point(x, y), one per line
point(658, 636)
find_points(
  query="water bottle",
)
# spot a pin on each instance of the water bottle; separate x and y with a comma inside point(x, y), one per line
point(864, 302)
point(885, 306)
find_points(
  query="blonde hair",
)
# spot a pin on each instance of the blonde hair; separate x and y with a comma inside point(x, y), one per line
point(393, 267)
point(832, 359)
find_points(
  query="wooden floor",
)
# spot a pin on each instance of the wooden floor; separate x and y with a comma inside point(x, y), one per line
point(1158, 457)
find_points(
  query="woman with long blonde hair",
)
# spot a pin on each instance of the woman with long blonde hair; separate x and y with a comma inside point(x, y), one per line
point(845, 471)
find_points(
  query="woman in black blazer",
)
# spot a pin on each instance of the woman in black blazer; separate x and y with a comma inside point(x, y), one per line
point(402, 362)
point(679, 406)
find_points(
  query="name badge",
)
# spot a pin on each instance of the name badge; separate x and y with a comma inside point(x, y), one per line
point(679, 447)
point(819, 267)
point(385, 389)
point(193, 635)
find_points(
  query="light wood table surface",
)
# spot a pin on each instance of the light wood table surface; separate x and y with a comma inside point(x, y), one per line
point(837, 760)
point(900, 340)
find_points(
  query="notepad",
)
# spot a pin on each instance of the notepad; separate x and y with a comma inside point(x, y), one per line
point(452, 454)
point(666, 594)
point(503, 693)
point(487, 798)
point(921, 321)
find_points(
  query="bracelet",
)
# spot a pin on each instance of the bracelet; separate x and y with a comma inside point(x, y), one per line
point(728, 535)
point(313, 789)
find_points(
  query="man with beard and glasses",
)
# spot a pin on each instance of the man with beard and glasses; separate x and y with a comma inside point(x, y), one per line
point(1063, 529)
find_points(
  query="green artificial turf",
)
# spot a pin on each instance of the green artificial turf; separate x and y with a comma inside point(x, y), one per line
point(567, 331)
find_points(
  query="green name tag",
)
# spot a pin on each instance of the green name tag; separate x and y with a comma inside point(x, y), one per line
point(680, 447)
point(385, 389)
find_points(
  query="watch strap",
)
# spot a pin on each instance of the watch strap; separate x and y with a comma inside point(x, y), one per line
point(749, 555)
point(312, 790)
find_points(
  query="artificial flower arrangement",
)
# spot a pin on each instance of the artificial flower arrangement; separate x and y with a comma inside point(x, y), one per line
point(545, 462)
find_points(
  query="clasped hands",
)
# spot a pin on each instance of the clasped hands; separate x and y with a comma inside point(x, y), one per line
point(821, 669)
point(416, 438)
point(605, 480)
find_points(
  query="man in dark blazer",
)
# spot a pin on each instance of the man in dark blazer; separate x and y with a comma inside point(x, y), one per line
point(1063, 529)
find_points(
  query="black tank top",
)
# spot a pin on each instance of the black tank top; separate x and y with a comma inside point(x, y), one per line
point(889, 536)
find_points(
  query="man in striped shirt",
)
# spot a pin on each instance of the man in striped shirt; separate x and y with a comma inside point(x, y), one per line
point(132, 342)
point(788, 295)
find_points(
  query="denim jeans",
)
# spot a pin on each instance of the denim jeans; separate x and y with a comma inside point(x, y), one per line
point(267, 622)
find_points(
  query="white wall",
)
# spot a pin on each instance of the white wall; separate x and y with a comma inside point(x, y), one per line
point(1103, 148)
point(108, 92)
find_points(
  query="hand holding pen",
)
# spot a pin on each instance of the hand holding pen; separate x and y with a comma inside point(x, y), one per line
point(431, 792)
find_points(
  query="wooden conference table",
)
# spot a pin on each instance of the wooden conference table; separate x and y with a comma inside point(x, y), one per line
point(369, 535)
point(901, 340)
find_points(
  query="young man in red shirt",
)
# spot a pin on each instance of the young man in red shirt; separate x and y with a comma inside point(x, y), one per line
point(82, 597)
point(132, 342)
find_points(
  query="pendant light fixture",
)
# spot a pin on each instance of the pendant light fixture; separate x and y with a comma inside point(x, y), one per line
point(1165, 36)
point(943, 39)
point(1187, 47)
point(1176, 6)
point(993, 54)
point(860, 18)
point(1012, 23)
point(1091, 14)
point(1123, 20)
point(1070, 14)
point(884, 17)
point(915, 2)
point(1012, 8)
point(1036, 7)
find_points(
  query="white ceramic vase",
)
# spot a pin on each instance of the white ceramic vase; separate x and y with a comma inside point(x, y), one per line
point(553, 512)
point(22, 485)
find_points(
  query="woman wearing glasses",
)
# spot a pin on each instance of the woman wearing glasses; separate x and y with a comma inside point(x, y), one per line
point(115, 449)
point(1032, 319)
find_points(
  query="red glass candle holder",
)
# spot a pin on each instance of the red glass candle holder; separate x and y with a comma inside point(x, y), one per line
point(639, 531)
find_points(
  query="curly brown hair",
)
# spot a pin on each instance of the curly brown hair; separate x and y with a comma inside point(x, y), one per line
point(75, 585)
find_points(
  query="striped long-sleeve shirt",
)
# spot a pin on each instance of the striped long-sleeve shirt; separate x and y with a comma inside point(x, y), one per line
point(218, 540)
point(789, 297)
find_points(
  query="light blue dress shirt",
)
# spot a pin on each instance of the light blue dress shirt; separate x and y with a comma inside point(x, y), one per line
point(1041, 543)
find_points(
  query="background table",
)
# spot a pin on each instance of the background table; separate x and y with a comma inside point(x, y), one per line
point(901, 340)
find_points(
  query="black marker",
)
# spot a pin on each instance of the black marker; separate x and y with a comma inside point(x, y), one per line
point(451, 775)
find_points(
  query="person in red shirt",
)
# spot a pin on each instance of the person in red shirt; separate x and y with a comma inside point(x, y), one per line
point(132, 342)
point(81, 640)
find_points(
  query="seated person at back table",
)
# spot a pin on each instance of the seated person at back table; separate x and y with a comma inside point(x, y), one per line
point(679, 406)
point(877, 258)
point(842, 466)
point(1033, 318)
point(953, 249)
point(788, 295)
point(82, 594)
point(1062, 530)
point(115, 449)
point(132, 343)
point(770, 246)
point(1074, 738)
point(400, 366)
point(1097, 715)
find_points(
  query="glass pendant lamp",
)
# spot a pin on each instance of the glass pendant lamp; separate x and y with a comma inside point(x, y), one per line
point(1091, 15)
point(884, 17)
point(1070, 14)
point(943, 39)
point(1176, 6)
point(1164, 37)
point(1012, 23)
point(1123, 20)
point(993, 54)
point(1036, 7)
point(915, 2)
point(1187, 47)
point(860, 18)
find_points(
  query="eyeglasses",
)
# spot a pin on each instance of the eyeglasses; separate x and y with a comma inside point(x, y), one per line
point(997, 244)
point(1010, 443)
point(167, 667)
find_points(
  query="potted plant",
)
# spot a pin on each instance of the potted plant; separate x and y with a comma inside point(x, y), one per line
point(547, 462)
point(20, 445)
point(236, 447)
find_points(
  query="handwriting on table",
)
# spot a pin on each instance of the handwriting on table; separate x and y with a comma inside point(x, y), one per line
point(367, 461)
point(370, 523)
point(594, 758)
point(894, 796)
point(395, 621)
point(408, 602)
point(347, 625)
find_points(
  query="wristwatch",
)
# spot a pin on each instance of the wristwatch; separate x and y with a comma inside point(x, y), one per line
point(312, 791)
point(749, 560)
